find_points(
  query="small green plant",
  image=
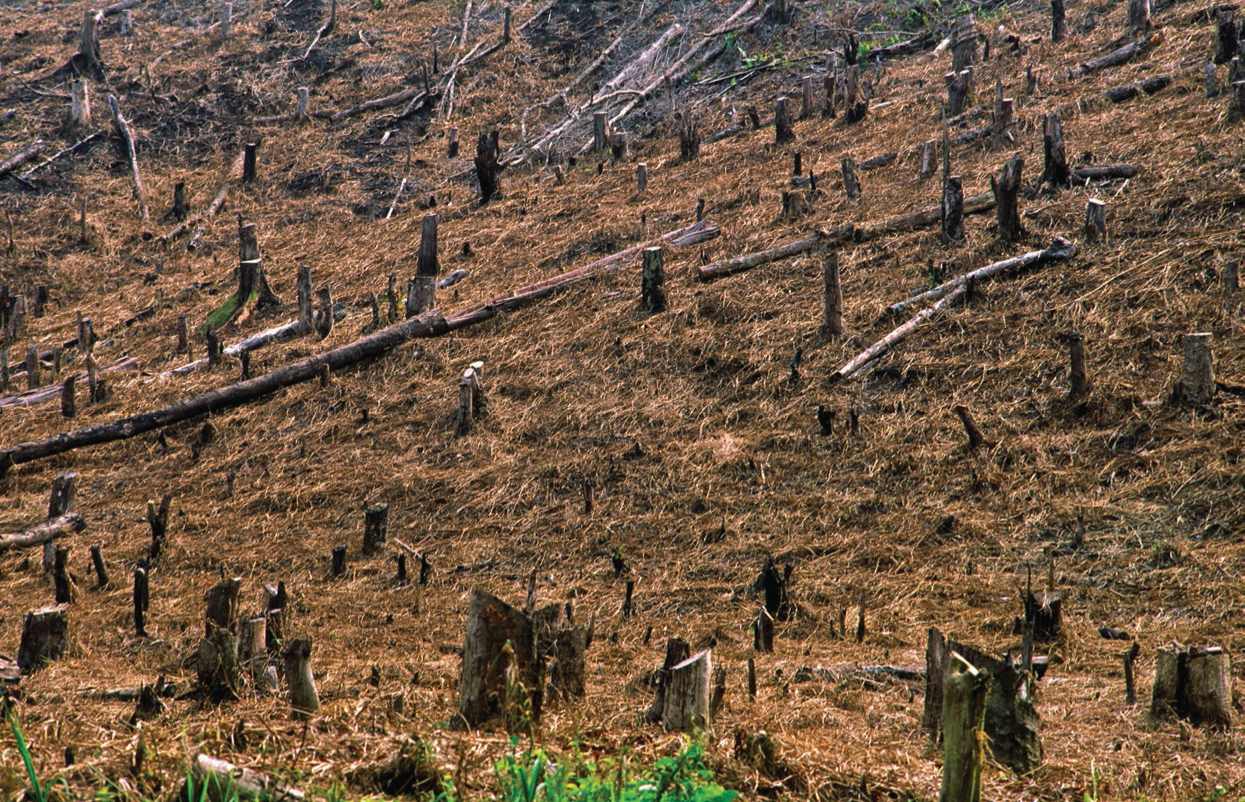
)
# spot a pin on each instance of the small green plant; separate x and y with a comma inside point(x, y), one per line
point(38, 792)
point(1092, 794)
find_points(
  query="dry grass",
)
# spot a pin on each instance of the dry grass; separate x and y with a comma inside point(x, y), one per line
point(577, 381)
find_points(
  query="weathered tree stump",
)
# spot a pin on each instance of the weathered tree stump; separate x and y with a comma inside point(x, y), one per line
point(641, 178)
point(33, 379)
point(628, 594)
point(807, 101)
point(80, 106)
point(857, 105)
point(851, 185)
point(375, 527)
point(306, 312)
point(471, 400)
point(828, 85)
point(45, 637)
point(488, 170)
point(88, 59)
point(101, 567)
point(64, 494)
point(1078, 373)
point(832, 297)
point(339, 561)
point(302, 103)
point(963, 723)
point(1197, 379)
point(686, 706)
point(1192, 683)
point(1130, 683)
point(959, 87)
point(304, 700)
point(323, 318)
point(1139, 16)
point(1058, 21)
point(929, 157)
point(783, 131)
point(1226, 38)
point(600, 132)
point(158, 520)
point(1238, 98)
point(952, 210)
point(1007, 199)
point(689, 137)
point(183, 334)
point(250, 162)
point(677, 651)
point(775, 584)
point(1095, 221)
point(221, 605)
point(653, 282)
point(422, 295)
point(763, 632)
point(1055, 170)
point(142, 599)
point(491, 626)
point(62, 583)
point(568, 662)
point(451, 145)
point(253, 649)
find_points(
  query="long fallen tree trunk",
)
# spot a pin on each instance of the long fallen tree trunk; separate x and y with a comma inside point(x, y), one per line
point(862, 360)
point(1108, 171)
point(429, 324)
point(1118, 57)
point(1059, 250)
point(42, 533)
point(848, 232)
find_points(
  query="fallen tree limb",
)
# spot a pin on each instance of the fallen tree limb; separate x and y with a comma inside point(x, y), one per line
point(21, 157)
point(862, 360)
point(42, 533)
point(1146, 86)
point(62, 152)
point(52, 392)
point(168, 690)
point(839, 673)
point(285, 331)
point(429, 324)
point(698, 232)
point(128, 137)
point(1059, 250)
point(117, 8)
point(379, 103)
point(738, 264)
point(228, 780)
point(207, 214)
point(325, 28)
point(1106, 171)
point(1114, 59)
point(921, 218)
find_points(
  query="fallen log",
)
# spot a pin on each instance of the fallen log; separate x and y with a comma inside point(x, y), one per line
point(698, 232)
point(42, 533)
point(1105, 172)
point(1118, 57)
point(51, 392)
point(738, 264)
point(1146, 86)
point(379, 103)
point(62, 152)
point(921, 218)
point(21, 157)
point(1059, 250)
point(840, 673)
point(862, 360)
point(914, 45)
point(117, 8)
point(429, 324)
point(221, 779)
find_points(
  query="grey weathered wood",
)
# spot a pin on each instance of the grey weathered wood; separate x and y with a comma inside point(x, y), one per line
point(832, 297)
point(952, 210)
point(1197, 378)
point(1209, 690)
point(64, 494)
point(653, 280)
point(491, 624)
point(1079, 375)
point(128, 138)
point(1007, 199)
point(306, 314)
point(1055, 170)
point(100, 565)
point(929, 155)
point(45, 637)
point(1095, 221)
point(783, 131)
point(963, 722)
point(641, 177)
point(224, 780)
point(304, 699)
point(686, 704)
point(851, 185)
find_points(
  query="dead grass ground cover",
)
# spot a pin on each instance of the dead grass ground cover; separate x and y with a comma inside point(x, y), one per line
point(579, 381)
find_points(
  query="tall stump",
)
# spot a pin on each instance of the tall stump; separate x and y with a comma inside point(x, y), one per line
point(686, 706)
point(304, 699)
point(653, 282)
point(491, 625)
point(45, 637)
point(963, 723)
point(375, 527)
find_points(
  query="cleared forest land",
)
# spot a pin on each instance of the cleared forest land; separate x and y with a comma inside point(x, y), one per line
point(695, 431)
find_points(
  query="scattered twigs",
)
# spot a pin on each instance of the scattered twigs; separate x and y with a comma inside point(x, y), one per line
point(21, 157)
point(62, 152)
point(1117, 57)
point(207, 214)
point(325, 28)
point(1059, 250)
point(42, 533)
point(128, 137)
point(862, 360)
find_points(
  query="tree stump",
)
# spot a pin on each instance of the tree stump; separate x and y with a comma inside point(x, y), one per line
point(142, 598)
point(33, 380)
point(929, 156)
point(471, 401)
point(832, 297)
point(963, 43)
point(80, 106)
point(302, 103)
point(1044, 612)
point(686, 706)
point(1007, 199)
point(1055, 170)
point(1058, 21)
point(250, 166)
point(323, 318)
point(1238, 98)
point(959, 86)
point(641, 178)
point(424, 296)
point(101, 567)
point(488, 170)
point(158, 520)
point(339, 561)
point(1209, 690)
point(676, 652)
point(1226, 42)
point(64, 494)
point(600, 132)
point(451, 145)
point(689, 138)
point(653, 282)
point(183, 334)
point(45, 637)
point(763, 632)
point(850, 183)
point(783, 131)
point(304, 700)
point(89, 62)
point(491, 625)
point(828, 85)
point(375, 527)
point(1130, 685)
point(952, 210)
point(1095, 221)
point(63, 584)
point(1197, 379)
point(806, 97)
point(568, 662)
point(1078, 374)
point(306, 313)
point(1139, 16)
point(253, 649)
point(221, 605)
point(963, 723)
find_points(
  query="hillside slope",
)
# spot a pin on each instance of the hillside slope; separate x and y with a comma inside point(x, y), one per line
point(703, 455)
